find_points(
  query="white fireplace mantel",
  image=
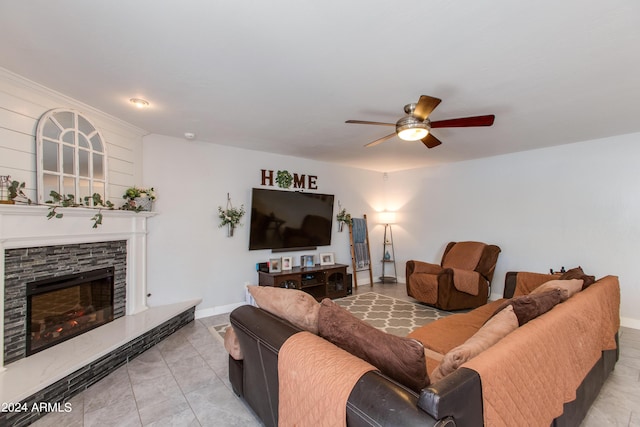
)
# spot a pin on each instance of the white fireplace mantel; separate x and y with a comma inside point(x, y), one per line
point(23, 226)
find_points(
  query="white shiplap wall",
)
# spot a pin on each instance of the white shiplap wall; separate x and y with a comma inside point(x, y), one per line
point(22, 103)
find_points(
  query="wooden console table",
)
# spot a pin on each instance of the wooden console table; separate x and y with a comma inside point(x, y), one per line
point(326, 281)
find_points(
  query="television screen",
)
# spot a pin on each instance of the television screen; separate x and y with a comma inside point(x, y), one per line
point(284, 220)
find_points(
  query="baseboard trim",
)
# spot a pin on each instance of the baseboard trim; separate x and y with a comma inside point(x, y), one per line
point(220, 309)
point(628, 322)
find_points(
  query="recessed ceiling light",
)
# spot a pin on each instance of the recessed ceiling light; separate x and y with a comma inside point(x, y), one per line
point(139, 102)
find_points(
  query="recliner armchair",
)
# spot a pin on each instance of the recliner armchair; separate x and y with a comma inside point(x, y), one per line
point(461, 281)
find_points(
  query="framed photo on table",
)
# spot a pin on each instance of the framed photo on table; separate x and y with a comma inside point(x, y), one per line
point(275, 265)
point(287, 263)
point(307, 261)
point(327, 258)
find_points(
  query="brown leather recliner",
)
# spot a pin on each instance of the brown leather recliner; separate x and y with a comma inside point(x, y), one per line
point(462, 279)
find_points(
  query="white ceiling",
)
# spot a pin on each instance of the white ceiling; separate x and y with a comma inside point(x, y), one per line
point(282, 76)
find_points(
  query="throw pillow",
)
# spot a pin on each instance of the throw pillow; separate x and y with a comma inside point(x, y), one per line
point(577, 273)
point(528, 307)
point(568, 287)
point(231, 343)
point(297, 307)
point(401, 359)
point(490, 333)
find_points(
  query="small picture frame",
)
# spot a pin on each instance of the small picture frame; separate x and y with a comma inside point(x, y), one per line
point(327, 258)
point(275, 265)
point(307, 261)
point(287, 263)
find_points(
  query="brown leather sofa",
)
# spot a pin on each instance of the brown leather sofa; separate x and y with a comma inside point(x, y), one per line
point(376, 400)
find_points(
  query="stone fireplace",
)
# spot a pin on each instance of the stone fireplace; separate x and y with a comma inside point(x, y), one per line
point(60, 287)
point(38, 255)
point(35, 249)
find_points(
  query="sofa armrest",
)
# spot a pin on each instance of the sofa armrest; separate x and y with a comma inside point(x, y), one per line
point(509, 284)
point(261, 335)
point(259, 325)
point(458, 395)
point(377, 401)
point(374, 397)
point(414, 266)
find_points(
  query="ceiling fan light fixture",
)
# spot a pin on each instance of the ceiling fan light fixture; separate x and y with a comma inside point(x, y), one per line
point(411, 129)
point(413, 134)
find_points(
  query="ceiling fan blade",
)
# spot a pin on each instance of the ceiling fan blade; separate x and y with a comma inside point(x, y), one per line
point(425, 106)
point(465, 122)
point(363, 122)
point(380, 140)
point(431, 141)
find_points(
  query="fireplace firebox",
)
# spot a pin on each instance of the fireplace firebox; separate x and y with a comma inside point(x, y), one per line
point(61, 308)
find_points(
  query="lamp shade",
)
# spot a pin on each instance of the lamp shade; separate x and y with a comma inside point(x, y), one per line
point(386, 217)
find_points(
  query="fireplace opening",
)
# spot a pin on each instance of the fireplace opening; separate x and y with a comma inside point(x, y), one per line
point(61, 308)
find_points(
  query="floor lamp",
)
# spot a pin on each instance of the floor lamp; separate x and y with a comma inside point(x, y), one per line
point(388, 253)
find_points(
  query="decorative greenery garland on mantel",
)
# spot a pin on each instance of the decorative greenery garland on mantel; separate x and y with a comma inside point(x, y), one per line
point(68, 201)
point(94, 202)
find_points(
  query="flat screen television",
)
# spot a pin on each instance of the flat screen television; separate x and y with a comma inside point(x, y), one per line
point(289, 220)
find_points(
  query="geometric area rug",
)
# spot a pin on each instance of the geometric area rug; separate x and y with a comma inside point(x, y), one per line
point(389, 314)
point(218, 331)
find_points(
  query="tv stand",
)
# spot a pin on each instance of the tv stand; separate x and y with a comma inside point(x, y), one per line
point(321, 281)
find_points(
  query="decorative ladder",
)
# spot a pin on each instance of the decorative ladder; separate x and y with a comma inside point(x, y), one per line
point(360, 253)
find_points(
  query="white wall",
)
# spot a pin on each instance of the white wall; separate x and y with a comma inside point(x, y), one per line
point(571, 205)
point(575, 204)
point(22, 102)
point(189, 256)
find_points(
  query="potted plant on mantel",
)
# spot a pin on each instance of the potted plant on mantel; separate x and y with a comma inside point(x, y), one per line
point(230, 216)
point(14, 191)
point(138, 199)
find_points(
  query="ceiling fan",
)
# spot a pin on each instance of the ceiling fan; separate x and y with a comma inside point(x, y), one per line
point(417, 126)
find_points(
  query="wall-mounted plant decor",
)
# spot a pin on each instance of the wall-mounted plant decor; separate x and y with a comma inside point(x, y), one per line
point(343, 217)
point(284, 179)
point(230, 216)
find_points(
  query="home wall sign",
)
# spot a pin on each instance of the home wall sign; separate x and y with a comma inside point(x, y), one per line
point(285, 179)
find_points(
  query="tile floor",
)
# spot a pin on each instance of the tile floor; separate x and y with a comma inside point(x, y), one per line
point(183, 381)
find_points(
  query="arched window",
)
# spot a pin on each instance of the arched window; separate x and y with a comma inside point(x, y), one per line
point(71, 156)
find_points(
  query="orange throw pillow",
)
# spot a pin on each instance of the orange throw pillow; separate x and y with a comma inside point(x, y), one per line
point(490, 333)
point(568, 287)
point(297, 307)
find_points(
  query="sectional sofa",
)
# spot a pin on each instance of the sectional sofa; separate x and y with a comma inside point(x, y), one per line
point(546, 371)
